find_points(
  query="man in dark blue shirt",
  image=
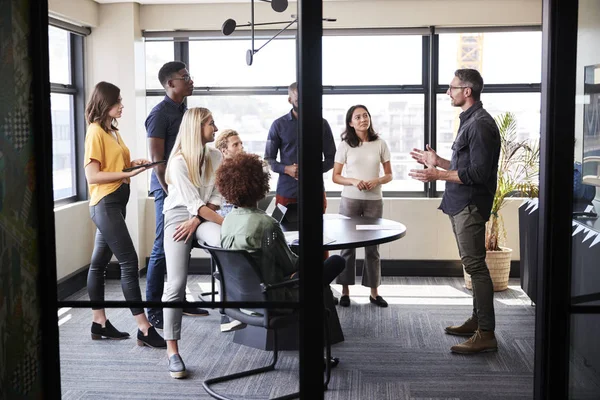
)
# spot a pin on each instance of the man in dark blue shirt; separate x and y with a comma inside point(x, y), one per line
point(162, 127)
point(283, 139)
point(471, 175)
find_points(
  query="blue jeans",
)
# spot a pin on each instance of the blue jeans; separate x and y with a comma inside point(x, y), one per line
point(157, 266)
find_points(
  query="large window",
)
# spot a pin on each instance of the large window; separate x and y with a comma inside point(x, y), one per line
point(386, 70)
point(66, 102)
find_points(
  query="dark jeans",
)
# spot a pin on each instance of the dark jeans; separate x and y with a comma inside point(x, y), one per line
point(157, 266)
point(469, 229)
point(112, 237)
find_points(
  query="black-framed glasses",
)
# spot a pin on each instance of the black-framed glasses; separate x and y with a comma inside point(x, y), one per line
point(185, 78)
point(450, 87)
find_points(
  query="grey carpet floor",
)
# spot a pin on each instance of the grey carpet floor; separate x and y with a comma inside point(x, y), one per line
point(395, 353)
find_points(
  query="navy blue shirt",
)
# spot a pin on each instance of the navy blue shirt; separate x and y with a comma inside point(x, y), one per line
point(163, 122)
point(475, 154)
point(283, 139)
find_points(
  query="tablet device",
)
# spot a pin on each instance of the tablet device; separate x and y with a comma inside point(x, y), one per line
point(144, 165)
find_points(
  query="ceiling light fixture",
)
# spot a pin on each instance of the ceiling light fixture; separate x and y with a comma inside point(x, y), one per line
point(230, 25)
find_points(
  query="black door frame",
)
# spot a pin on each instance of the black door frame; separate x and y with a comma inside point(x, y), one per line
point(559, 58)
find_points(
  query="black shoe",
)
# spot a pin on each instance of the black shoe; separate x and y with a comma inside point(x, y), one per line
point(109, 332)
point(152, 340)
point(345, 301)
point(156, 322)
point(336, 301)
point(177, 367)
point(195, 312)
point(378, 301)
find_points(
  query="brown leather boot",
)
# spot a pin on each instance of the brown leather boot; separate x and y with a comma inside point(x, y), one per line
point(468, 328)
point(480, 342)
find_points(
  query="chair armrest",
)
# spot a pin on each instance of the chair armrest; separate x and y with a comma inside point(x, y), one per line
point(289, 283)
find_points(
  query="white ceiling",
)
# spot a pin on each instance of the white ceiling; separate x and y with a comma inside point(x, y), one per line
point(183, 1)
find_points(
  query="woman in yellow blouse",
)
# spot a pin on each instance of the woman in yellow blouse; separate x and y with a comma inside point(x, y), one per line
point(106, 156)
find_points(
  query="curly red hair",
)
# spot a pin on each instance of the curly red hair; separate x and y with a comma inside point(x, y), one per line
point(242, 180)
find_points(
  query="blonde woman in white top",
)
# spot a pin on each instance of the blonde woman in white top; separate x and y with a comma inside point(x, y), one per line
point(189, 211)
point(362, 152)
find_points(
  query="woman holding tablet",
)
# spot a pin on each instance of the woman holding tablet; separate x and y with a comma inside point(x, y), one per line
point(106, 158)
point(363, 153)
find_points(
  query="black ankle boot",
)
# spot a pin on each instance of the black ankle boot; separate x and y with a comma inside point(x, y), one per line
point(109, 332)
point(152, 340)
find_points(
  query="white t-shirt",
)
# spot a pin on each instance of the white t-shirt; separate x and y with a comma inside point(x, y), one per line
point(364, 163)
point(183, 193)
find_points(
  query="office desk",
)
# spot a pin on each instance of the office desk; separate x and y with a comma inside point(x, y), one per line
point(346, 236)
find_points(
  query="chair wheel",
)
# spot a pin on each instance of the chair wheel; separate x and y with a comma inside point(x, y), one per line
point(333, 360)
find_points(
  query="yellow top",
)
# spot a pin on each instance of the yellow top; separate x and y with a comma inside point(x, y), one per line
point(111, 153)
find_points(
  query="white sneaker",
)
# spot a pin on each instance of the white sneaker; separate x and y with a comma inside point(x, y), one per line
point(233, 325)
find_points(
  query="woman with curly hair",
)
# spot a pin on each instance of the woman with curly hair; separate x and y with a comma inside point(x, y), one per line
point(363, 153)
point(243, 181)
point(189, 211)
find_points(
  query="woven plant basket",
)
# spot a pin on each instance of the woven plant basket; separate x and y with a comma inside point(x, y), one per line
point(498, 263)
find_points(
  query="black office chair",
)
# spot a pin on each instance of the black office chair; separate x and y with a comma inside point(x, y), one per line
point(240, 280)
point(213, 269)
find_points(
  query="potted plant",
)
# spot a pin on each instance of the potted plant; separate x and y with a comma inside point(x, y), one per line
point(518, 170)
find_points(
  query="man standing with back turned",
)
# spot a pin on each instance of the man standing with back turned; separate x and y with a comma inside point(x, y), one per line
point(162, 127)
point(471, 176)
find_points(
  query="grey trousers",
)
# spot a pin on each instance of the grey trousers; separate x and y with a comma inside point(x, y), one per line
point(469, 229)
point(177, 257)
point(371, 276)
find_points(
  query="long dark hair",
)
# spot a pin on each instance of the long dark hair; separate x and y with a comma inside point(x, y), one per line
point(350, 136)
point(104, 97)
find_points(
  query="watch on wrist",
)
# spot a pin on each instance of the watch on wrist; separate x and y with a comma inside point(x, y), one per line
point(199, 217)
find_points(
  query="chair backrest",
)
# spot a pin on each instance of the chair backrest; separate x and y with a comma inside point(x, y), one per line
point(240, 277)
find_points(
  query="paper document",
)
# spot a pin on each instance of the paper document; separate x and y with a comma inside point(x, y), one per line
point(291, 238)
point(378, 227)
point(334, 216)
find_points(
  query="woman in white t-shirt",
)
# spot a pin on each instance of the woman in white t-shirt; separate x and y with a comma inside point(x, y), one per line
point(362, 152)
point(189, 211)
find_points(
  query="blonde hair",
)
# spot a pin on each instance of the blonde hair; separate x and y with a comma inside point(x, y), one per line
point(222, 140)
point(189, 145)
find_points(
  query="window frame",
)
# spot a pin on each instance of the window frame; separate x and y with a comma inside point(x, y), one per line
point(430, 86)
point(76, 89)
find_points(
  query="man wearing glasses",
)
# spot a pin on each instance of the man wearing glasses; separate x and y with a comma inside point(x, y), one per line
point(470, 176)
point(162, 126)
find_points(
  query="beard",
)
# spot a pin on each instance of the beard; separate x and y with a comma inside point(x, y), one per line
point(295, 108)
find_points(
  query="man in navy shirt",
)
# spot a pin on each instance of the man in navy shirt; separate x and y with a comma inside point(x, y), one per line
point(162, 127)
point(471, 176)
point(283, 139)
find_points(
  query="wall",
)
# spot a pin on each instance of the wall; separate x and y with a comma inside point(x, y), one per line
point(115, 52)
point(353, 14)
point(78, 12)
point(588, 53)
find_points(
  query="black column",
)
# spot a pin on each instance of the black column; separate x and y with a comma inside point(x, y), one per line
point(310, 142)
point(559, 54)
point(42, 154)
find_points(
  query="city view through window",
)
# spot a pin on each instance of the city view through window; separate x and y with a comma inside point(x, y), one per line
point(390, 61)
